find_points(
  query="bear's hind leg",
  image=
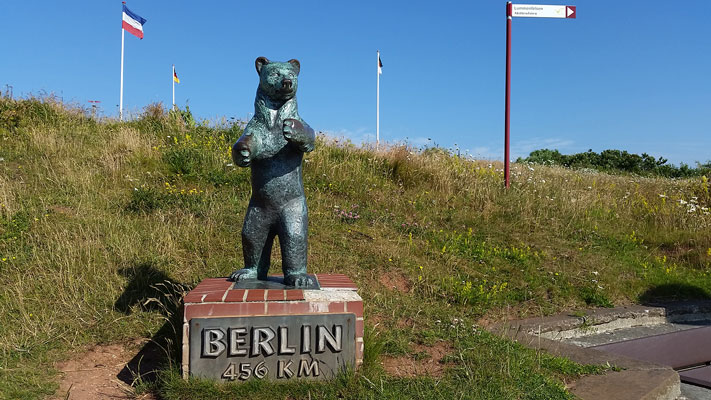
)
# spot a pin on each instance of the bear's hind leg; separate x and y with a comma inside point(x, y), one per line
point(293, 232)
point(257, 239)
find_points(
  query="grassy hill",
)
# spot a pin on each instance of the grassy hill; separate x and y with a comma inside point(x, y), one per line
point(103, 225)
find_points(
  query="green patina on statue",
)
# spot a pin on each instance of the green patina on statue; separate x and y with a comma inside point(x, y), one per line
point(273, 145)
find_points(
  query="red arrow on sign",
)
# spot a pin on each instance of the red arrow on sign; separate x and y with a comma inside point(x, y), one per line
point(570, 12)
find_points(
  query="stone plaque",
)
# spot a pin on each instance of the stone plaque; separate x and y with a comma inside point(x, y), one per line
point(280, 347)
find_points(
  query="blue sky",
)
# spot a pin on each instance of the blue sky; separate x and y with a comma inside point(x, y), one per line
point(633, 75)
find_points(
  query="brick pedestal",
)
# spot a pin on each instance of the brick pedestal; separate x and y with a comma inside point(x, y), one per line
point(251, 323)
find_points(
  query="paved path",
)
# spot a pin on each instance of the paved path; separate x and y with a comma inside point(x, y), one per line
point(693, 392)
point(688, 391)
point(636, 332)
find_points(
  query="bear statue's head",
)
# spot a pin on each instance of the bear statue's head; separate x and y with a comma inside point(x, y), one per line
point(278, 79)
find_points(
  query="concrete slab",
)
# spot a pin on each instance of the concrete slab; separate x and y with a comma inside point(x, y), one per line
point(595, 321)
point(638, 380)
point(693, 392)
point(678, 350)
point(572, 335)
point(630, 384)
point(636, 332)
point(699, 376)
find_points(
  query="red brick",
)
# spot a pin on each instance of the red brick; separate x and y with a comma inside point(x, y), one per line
point(360, 328)
point(255, 295)
point(337, 307)
point(193, 297)
point(208, 286)
point(214, 283)
point(339, 280)
point(275, 295)
point(358, 351)
point(355, 307)
point(214, 296)
point(293, 308)
point(338, 284)
point(213, 280)
point(332, 276)
point(223, 310)
point(235, 295)
point(207, 289)
point(201, 291)
point(212, 286)
point(292, 295)
point(335, 278)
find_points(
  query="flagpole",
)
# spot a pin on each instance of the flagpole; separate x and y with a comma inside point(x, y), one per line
point(507, 100)
point(172, 79)
point(121, 95)
point(377, 105)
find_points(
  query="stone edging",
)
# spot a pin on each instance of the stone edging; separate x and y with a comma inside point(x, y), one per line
point(564, 326)
point(638, 379)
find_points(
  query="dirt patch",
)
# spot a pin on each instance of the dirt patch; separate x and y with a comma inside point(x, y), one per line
point(676, 249)
point(403, 323)
point(396, 281)
point(93, 374)
point(375, 320)
point(61, 210)
point(427, 361)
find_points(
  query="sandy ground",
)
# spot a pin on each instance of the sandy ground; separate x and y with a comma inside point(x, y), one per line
point(100, 373)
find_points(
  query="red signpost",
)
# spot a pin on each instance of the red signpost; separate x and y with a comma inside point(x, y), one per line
point(530, 11)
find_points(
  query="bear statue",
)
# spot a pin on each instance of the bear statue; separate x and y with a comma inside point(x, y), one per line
point(273, 146)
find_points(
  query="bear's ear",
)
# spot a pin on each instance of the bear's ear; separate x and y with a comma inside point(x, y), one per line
point(295, 63)
point(260, 62)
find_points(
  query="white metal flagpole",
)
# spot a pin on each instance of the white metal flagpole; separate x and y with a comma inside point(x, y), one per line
point(121, 95)
point(377, 105)
point(172, 79)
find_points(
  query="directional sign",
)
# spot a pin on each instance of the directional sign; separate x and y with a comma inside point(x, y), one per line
point(542, 11)
point(531, 11)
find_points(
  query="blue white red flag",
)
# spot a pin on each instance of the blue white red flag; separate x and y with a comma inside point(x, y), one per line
point(133, 22)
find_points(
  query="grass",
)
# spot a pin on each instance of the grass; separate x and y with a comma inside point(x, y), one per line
point(104, 224)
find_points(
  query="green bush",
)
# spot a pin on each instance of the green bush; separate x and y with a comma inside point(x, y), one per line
point(594, 297)
point(184, 160)
point(145, 200)
point(617, 161)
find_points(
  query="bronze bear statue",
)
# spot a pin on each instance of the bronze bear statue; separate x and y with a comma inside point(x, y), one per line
point(273, 145)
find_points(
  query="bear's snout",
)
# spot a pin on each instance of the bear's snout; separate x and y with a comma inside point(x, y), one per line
point(286, 84)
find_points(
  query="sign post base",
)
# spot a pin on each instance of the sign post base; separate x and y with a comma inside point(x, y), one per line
point(240, 331)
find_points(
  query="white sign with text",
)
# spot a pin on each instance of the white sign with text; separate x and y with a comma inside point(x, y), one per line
point(542, 11)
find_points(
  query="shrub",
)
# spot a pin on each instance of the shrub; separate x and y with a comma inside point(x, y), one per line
point(616, 161)
point(145, 199)
point(183, 160)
